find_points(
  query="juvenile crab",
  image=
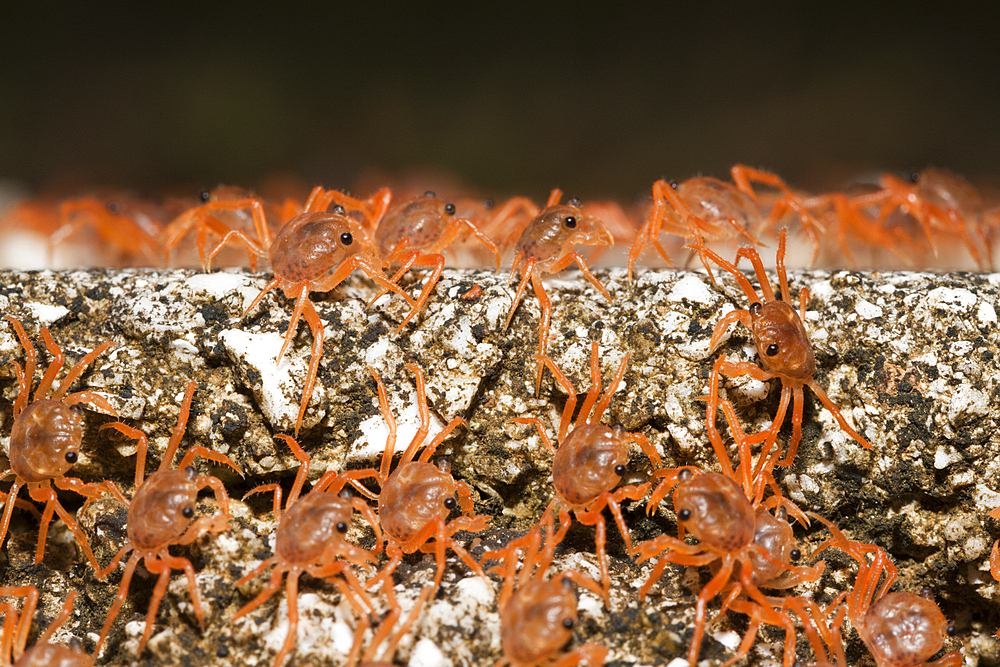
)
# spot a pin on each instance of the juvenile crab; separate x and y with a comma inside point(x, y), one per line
point(748, 549)
point(310, 537)
point(315, 252)
point(223, 210)
point(546, 246)
point(942, 203)
point(46, 437)
point(416, 498)
point(414, 233)
point(782, 345)
point(537, 618)
point(901, 629)
point(160, 516)
point(707, 207)
point(42, 653)
point(590, 461)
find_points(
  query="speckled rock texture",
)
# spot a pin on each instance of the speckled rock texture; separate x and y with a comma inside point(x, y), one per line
point(911, 360)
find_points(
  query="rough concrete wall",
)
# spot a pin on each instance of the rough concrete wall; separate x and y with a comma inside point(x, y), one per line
point(911, 360)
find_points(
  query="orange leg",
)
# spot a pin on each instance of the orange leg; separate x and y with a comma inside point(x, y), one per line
point(204, 221)
point(429, 450)
point(654, 576)
point(437, 262)
point(567, 413)
point(177, 563)
point(292, 594)
point(141, 447)
point(155, 566)
point(405, 260)
point(316, 326)
point(757, 616)
point(390, 420)
point(425, 417)
point(594, 654)
point(266, 593)
point(722, 326)
point(526, 272)
point(713, 432)
point(543, 326)
point(612, 386)
point(595, 388)
point(120, 598)
point(837, 414)
point(23, 378)
point(390, 621)
point(541, 430)
point(8, 510)
point(48, 496)
point(572, 257)
point(712, 588)
point(798, 400)
point(612, 499)
point(600, 540)
point(455, 228)
point(204, 452)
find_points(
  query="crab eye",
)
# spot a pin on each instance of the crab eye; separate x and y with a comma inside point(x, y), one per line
point(346, 238)
point(450, 503)
point(341, 527)
point(755, 308)
point(71, 457)
point(570, 222)
point(771, 350)
point(951, 630)
point(449, 209)
point(673, 184)
point(339, 210)
point(488, 204)
point(190, 472)
point(568, 623)
point(188, 511)
point(795, 554)
point(684, 514)
point(573, 202)
point(620, 469)
point(915, 177)
point(113, 207)
point(205, 196)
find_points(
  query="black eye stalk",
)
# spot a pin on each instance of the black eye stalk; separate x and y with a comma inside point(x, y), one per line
point(450, 503)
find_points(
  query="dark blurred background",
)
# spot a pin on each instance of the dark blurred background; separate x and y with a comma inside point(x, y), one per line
point(600, 101)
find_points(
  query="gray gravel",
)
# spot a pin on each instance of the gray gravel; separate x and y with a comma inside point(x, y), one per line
point(910, 358)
